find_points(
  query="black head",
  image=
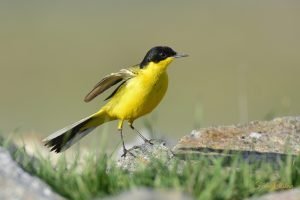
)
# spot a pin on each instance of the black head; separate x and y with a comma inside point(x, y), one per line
point(157, 54)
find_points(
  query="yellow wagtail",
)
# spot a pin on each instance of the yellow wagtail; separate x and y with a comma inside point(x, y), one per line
point(140, 90)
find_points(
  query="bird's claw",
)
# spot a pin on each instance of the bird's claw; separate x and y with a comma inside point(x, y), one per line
point(148, 141)
point(125, 151)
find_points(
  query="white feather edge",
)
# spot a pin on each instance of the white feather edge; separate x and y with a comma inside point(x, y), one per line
point(65, 130)
point(78, 136)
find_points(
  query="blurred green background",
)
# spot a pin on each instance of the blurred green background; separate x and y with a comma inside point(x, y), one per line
point(244, 60)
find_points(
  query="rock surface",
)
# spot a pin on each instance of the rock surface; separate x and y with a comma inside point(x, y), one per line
point(269, 139)
point(293, 194)
point(15, 183)
point(140, 156)
point(149, 194)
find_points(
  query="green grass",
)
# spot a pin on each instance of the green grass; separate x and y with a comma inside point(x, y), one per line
point(203, 179)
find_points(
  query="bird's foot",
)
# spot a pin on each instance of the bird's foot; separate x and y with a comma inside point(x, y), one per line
point(148, 141)
point(125, 151)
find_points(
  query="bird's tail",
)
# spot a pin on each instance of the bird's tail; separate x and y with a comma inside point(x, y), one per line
point(66, 137)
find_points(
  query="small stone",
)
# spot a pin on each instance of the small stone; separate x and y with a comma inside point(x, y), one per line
point(255, 135)
point(140, 156)
point(195, 134)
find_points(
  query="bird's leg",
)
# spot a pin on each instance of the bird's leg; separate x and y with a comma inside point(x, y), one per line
point(143, 137)
point(125, 151)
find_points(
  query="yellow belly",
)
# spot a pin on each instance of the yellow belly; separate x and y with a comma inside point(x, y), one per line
point(139, 96)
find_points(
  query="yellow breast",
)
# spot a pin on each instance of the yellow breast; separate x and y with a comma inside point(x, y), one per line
point(141, 94)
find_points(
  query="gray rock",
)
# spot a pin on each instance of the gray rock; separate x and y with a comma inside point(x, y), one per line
point(293, 194)
point(149, 194)
point(17, 184)
point(258, 139)
point(141, 156)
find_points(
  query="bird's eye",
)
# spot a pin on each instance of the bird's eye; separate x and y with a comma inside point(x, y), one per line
point(162, 54)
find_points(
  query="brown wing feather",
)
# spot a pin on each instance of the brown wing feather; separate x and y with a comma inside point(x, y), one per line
point(107, 82)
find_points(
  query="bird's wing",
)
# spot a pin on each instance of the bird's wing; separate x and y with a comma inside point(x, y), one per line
point(110, 80)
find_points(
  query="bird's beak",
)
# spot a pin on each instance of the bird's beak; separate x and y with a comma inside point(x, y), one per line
point(180, 55)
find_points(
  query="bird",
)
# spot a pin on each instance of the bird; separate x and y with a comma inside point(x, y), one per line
point(140, 89)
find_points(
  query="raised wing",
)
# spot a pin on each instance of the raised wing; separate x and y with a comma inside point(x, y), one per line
point(108, 81)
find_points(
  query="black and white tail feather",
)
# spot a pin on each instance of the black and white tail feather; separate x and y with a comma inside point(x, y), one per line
point(66, 137)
